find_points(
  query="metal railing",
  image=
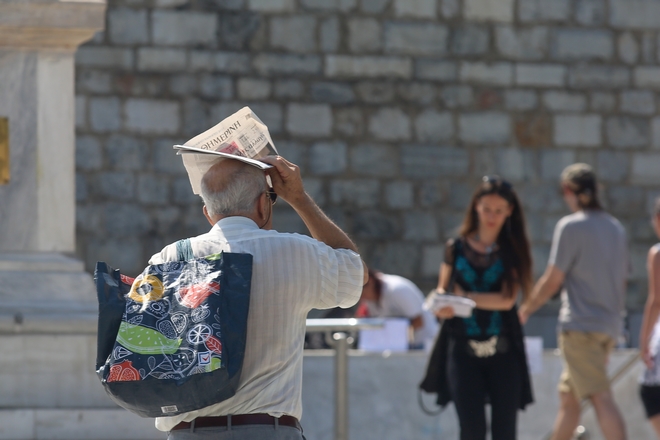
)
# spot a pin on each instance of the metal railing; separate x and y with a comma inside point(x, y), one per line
point(339, 336)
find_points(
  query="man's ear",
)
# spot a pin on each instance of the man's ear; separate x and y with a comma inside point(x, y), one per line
point(262, 209)
point(208, 217)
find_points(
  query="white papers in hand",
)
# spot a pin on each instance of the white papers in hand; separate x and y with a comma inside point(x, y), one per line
point(462, 306)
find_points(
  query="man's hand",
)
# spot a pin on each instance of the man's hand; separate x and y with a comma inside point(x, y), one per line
point(286, 179)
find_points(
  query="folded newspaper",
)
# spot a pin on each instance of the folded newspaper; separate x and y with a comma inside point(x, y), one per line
point(462, 306)
point(241, 136)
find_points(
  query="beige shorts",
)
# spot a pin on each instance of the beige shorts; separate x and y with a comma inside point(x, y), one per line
point(585, 356)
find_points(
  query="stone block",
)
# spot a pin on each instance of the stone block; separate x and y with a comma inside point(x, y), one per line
point(105, 114)
point(470, 39)
point(295, 33)
point(553, 163)
point(416, 38)
point(420, 226)
point(603, 101)
point(544, 10)
point(612, 166)
point(540, 75)
point(510, 164)
point(183, 28)
point(242, 30)
point(520, 100)
point(624, 199)
point(128, 26)
point(216, 86)
point(639, 102)
point(116, 185)
point(183, 85)
point(152, 116)
point(498, 74)
point(655, 130)
point(272, 5)
point(375, 160)
point(416, 8)
point(126, 220)
point(591, 12)
point(297, 153)
point(390, 123)
point(432, 193)
point(253, 88)
point(599, 77)
point(332, 92)
point(432, 126)
point(367, 66)
point(94, 81)
point(489, 10)
point(628, 132)
point(373, 92)
point(329, 35)
point(485, 128)
point(399, 195)
point(177, 3)
point(182, 192)
point(128, 153)
point(89, 155)
point(647, 77)
point(522, 44)
point(450, 8)
point(288, 88)
point(432, 257)
point(373, 6)
point(635, 14)
point(421, 162)
point(578, 130)
point(564, 101)
point(360, 193)
point(349, 121)
point(435, 70)
point(417, 92)
point(330, 5)
point(152, 189)
point(195, 116)
point(163, 159)
point(457, 96)
point(328, 158)
point(364, 35)
point(648, 47)
point(286, 64)
point(645, 168)
point(628, 48)
point(104, 56)
point(583, 44)
point(309, 119)
point(375, 225)
point(150, 59)
point(81, 111)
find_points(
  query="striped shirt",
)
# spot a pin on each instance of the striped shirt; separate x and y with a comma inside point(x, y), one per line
point(291, 274)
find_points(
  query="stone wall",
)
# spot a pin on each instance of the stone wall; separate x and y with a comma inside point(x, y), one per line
point(394, 109)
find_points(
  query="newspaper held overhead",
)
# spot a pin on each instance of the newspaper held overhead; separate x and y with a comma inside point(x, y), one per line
point(241, 136)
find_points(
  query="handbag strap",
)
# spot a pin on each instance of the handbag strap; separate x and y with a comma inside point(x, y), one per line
point(184, 250)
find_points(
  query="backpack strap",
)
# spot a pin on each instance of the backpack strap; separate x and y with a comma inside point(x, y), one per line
point(184, 250)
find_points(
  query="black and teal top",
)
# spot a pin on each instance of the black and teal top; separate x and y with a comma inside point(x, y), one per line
point(476, 272)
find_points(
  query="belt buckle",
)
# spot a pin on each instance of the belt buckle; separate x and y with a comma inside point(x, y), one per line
point(484, 349)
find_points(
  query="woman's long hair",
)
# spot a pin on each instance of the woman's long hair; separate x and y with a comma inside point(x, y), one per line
point(512, 239)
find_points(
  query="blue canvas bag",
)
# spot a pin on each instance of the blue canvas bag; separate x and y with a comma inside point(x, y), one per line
point(173, 339)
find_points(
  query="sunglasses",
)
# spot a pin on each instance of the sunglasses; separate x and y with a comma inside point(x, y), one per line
point(272, 195)
point(496, 180)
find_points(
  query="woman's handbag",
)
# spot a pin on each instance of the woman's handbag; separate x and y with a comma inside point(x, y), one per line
point(173, 339)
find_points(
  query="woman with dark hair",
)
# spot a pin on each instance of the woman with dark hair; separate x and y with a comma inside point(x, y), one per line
point(484, 355)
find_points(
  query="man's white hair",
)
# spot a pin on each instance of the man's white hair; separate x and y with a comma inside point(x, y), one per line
point(238, 196)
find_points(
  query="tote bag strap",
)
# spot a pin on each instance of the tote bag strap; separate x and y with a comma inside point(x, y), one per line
point(184, 250)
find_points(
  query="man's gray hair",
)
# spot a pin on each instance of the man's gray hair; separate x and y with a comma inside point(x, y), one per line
point(238, 196)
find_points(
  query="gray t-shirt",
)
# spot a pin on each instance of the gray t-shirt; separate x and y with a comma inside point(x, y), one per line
point(590, 248)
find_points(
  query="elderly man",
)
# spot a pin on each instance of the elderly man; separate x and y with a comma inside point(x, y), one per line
point(291, 275)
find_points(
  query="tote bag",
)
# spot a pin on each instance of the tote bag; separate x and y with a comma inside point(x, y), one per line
point(173, 339)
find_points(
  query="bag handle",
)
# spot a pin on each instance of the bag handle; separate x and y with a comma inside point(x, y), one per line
point(184, 250)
